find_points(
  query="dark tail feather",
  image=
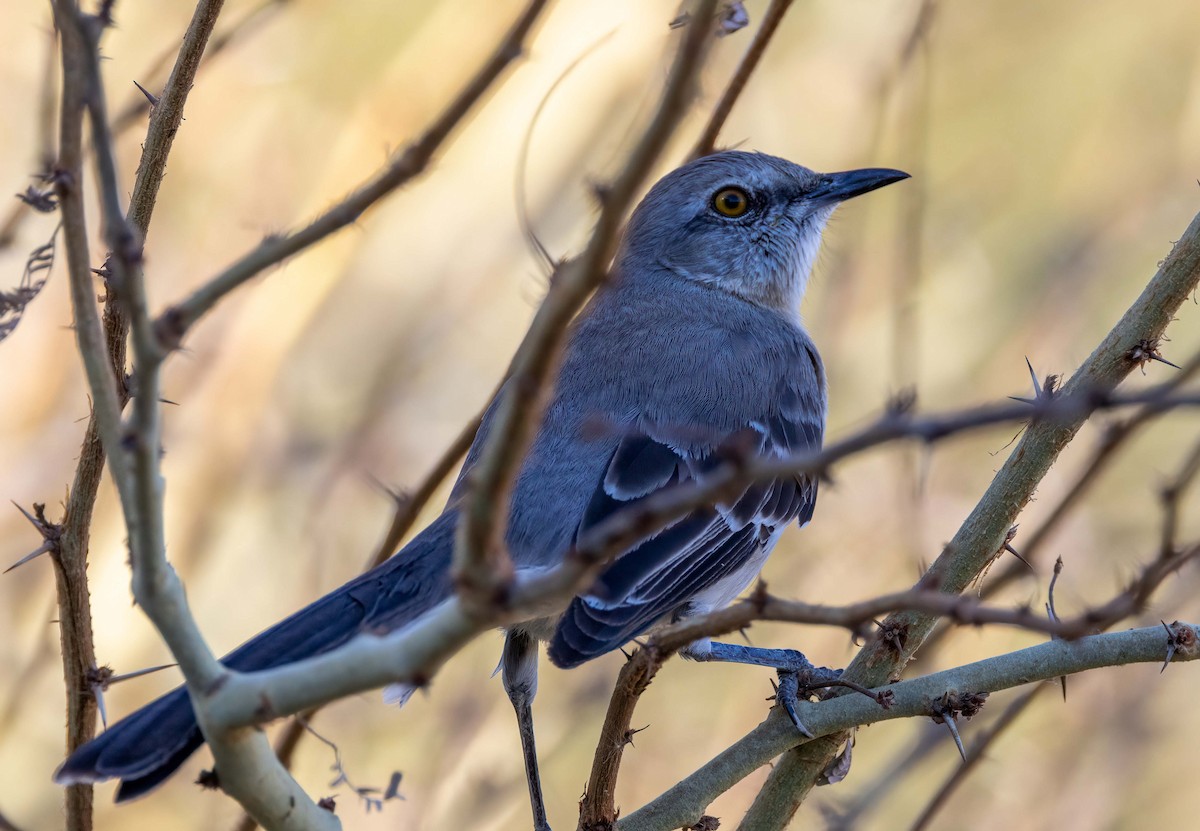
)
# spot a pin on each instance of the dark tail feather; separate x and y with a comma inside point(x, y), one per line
point(146, 747)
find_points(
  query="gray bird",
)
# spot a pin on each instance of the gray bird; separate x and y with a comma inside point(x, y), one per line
point(692, 349)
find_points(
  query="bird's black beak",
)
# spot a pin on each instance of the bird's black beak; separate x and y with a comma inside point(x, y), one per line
point(838, 187)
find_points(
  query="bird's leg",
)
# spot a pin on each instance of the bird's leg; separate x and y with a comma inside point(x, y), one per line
point(519, 670)
point(794, 669)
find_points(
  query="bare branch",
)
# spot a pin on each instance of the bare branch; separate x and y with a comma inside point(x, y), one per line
point(176, 320)
point(75, 618)
point(741, 76)
point(155, 75)
point(977, 540)
point(597, 808)
point(683, 804)
point(168, 115)
point(410, 505)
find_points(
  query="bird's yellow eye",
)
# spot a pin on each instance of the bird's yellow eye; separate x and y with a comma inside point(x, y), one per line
point(731, 202)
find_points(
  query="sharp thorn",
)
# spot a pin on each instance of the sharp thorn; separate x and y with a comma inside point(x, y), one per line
point(1008, 547)
point(1171, 646)
point(1163, 360)
point(948, 720)
point(98, 694)
point(41, 549)
point(1037, 388)
point(32, 519)
point(151, 97)
point(138, 673)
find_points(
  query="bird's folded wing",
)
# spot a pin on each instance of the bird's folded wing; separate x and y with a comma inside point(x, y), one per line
point(663, 573)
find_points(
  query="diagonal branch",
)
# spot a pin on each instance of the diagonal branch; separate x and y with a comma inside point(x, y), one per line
point(980, 536)
point(741, 76)
point(176, 320)
point(1115, 436)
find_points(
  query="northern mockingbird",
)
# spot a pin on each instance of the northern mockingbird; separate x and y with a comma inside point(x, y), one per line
point(692, 347)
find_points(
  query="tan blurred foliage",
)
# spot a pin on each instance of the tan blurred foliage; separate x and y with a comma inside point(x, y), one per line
point(1056, 149)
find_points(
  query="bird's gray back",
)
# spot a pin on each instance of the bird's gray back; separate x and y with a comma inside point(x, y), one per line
point(651, 351)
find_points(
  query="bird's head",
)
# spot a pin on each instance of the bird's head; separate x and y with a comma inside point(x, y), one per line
point(746, 223)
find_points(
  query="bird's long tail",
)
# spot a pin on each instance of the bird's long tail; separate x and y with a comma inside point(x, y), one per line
point(146, 747)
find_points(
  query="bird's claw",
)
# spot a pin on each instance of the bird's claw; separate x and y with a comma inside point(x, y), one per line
point(792, 681)
point(787, 693)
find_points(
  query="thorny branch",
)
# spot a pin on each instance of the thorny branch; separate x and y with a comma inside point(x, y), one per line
point(1115, 436)
point(133, 449)
point(597, 806)
point(683, 804)
point(103, 350)
point(980, 536)
point(75, 627)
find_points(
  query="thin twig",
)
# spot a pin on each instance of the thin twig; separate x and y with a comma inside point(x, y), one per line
point(47, 105)
point(597, 808)
point(1172, 494)
point(155, 75)
point(958, 609)
point(168, 115)
point(176, 320)
point(410, 505)
point(772, 17)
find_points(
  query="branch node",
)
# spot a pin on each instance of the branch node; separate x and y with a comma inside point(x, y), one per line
point(208, 780)
point(1181, 639)
point(1147, 350)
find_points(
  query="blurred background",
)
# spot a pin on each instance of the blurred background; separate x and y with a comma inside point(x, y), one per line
point(1055, 150)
